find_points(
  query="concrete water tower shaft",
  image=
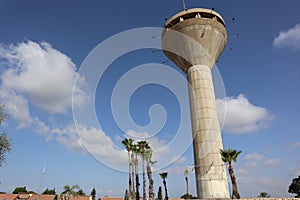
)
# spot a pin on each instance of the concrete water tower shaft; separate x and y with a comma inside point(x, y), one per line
point(194, 39)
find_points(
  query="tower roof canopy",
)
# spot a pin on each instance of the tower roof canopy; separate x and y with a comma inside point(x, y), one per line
point(192, 13)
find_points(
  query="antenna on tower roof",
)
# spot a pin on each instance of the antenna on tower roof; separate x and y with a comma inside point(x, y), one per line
point(184, 7)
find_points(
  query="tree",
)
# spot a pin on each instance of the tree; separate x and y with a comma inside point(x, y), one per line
point(188, 196)
point(143, 145)
point(47, 191)
point(70, 191)
point(31, 192)
point(228, 156)
point(294, 188)
point(81, 193)
point(93, 194)
point(128, 145)
point(3, 114)
point(148, 157)
point(164, 176)
point(19, 190)
point(5, 145)
point(264, 195)
point(136, 152)
point(133, 172)
point(159, 194)
point(126, 195)
point(186, 175)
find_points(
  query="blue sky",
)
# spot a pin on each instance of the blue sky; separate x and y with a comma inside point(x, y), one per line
point(44, 45)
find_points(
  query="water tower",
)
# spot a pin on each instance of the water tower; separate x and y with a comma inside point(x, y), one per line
point(194, 39)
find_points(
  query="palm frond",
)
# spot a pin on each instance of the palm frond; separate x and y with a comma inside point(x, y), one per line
point(229, 155)
point(163, 175)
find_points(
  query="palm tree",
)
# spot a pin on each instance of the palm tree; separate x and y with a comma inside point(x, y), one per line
point(132, 171)
point(143, 145)
point(136, 152)
point(70, 191)
point(264, 195)
point(186, 174)
point(148, 156)
point(93, 194)
point(126, 197)
point(163, 176)
point(159, 194)
point(128, 145)
point(228, 156)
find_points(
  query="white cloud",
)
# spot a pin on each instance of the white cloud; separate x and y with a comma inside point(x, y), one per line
point(272, 161)
point(296, 144)
point(254, 157)
point(258, 175)
point(245, 179)
point(241, 116)
point(162, 150)
point(269, 181)
point(94, 140)
point(275, 186)
point(288, 38)
point(159, 147)
point(35, 75)
point(252, 164)
point(241, 171)
point(41, 127)
point(69, 138)
point(41, 73)
point(16, 106)
point(294, 172)
point(102, 147)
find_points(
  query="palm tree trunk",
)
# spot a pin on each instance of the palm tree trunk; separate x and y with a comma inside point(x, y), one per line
point(129, 172)
point(137, 179)
point(235, 193)
point(144, 179)
point(151, 182)
point(132, 174)
point(166, 190)
point(187, 187)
